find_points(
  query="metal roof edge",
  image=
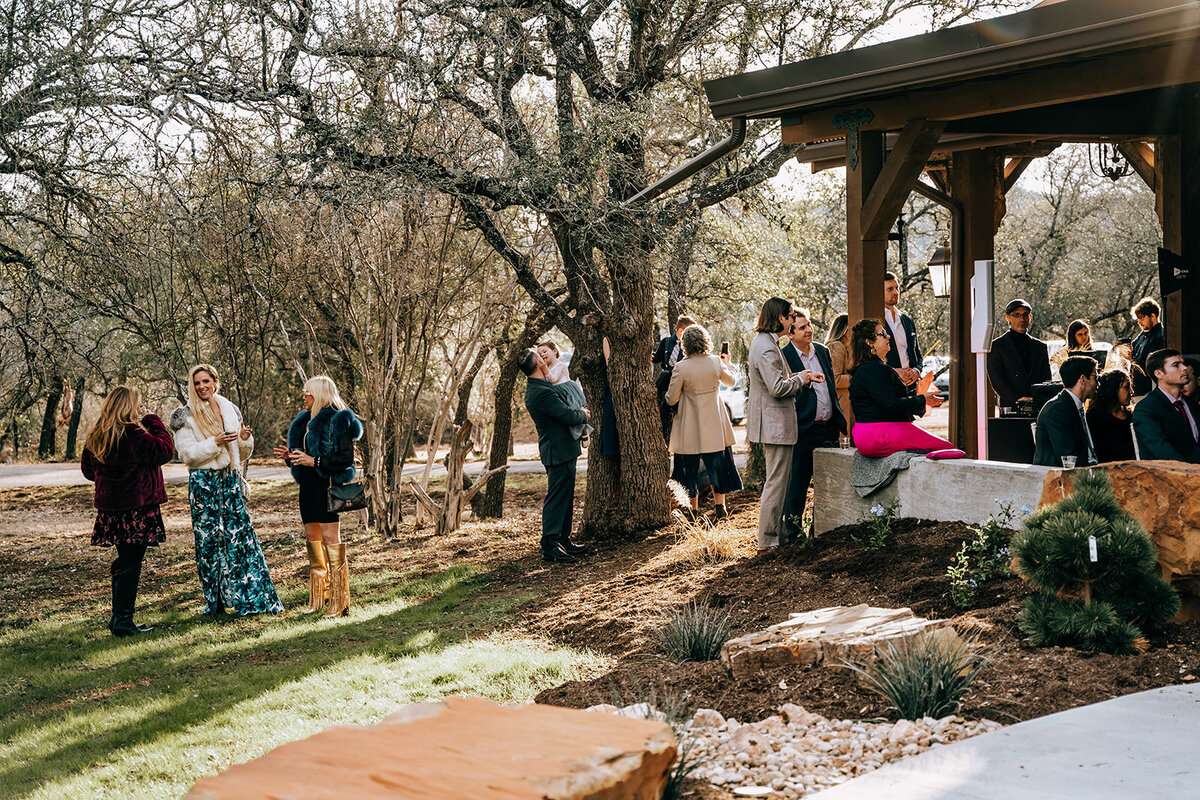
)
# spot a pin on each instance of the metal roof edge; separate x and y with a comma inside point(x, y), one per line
point(950, 54)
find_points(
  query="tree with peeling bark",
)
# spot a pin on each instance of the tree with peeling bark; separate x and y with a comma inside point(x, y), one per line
point(578, 104)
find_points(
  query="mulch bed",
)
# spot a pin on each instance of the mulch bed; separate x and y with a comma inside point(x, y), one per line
point(619, 601)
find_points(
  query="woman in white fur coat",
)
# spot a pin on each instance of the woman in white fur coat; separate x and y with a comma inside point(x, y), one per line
point(212, 439)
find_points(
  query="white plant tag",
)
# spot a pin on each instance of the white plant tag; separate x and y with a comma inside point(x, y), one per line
point(1092, 548)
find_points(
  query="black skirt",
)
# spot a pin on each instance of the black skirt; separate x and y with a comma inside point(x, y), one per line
point(718, 467)
point(314, 497)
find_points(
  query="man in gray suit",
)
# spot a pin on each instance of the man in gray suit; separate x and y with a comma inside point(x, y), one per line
point(771, 416)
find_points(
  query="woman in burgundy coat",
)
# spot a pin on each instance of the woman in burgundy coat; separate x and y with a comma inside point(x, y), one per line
point(124, 454)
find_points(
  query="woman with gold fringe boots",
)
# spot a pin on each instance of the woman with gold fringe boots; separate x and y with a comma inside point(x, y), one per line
point(320, 451)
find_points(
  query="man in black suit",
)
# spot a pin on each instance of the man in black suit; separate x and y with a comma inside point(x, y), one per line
point(905, 353)
point(1165, 420)
point(553, 413)
point(668, 353)
point(820, 419)
point(1152, 339)
point(1061, 427)
point(1017, 361)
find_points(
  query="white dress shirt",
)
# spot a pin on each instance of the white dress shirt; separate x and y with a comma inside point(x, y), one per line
point(1087, 432)
point(1187, 411)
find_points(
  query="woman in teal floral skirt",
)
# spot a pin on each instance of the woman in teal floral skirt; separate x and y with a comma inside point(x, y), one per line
point(212, 440)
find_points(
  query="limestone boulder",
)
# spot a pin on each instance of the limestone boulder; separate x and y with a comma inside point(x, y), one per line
point(826, 636)
point(1162, 496)
point(463, 748)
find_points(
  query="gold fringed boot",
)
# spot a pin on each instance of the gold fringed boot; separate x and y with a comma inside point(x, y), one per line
point(339, 581)
point(318, 576)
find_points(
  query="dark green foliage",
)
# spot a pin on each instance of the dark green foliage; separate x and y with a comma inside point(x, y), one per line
point(1109, 604)
point(926, 676)
point(694, 634)
point(1048, 621)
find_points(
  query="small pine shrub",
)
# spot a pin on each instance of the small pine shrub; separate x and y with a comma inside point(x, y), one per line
point(926, 676)
point(1109, 604)
point(694, 634)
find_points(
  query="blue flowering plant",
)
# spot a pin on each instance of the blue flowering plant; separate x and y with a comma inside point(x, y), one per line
point(985, 556)
point(878, 521)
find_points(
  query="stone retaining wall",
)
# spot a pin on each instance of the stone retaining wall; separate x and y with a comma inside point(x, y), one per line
point(958, 490)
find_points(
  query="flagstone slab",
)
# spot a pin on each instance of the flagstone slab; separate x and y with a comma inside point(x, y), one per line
point(462, 747)
point(826, 636)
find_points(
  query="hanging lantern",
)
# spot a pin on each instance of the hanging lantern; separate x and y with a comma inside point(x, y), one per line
point(939, 270)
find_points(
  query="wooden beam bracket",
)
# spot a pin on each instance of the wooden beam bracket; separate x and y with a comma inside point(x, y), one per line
point(900, 171)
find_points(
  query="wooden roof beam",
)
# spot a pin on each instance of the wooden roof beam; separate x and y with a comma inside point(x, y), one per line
point(1013, 170)
point(1141, 158)
point(1120, 73)
point(900, 171)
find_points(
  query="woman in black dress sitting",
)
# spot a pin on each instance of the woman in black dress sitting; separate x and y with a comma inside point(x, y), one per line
point(884, 407)
point(1110, 418)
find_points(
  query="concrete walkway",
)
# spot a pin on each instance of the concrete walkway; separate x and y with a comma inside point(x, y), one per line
point(1139, 745)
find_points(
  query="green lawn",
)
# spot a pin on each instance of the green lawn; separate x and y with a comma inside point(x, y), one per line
point(88, 715)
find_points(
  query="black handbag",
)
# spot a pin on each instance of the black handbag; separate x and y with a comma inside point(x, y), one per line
point(346, 497)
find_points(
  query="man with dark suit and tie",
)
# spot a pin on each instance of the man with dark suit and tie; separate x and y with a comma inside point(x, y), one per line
point(904, 354)
point(553, 413)
point(1017, 361)
point(819, 417)
point(1152, 339)
point(1165, 420)
point(1061, 426)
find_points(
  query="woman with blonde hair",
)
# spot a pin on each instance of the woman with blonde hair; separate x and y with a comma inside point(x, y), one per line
point(212, 440)
point(702, 431)
point(124, 454)
point(838, 342)
point(320, 451)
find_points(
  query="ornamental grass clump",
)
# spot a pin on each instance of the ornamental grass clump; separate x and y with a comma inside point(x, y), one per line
point(695, 633)
point(925, 676)
point(1094, 570)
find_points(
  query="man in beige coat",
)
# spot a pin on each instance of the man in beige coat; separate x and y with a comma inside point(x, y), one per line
point(771, 416)
point(702, 430)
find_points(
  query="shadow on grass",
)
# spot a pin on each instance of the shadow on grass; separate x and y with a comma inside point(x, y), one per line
point(75, 699)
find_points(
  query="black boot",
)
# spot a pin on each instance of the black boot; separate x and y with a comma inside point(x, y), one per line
point(128, 571)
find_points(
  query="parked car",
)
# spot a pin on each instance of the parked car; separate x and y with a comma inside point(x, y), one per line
point(936, 364)
point(734, 397)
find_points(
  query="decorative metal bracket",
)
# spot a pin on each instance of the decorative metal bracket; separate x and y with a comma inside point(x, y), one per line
point(851, 121)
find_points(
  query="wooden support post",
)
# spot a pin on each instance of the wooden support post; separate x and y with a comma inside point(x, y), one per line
point(975, 181)
point(866, 259)
point(1141, 158)
point(1177, 165)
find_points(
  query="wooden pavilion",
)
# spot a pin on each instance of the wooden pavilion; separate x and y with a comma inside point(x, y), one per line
point(970, 107)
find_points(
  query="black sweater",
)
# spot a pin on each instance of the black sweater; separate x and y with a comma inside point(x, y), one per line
point(878, 395)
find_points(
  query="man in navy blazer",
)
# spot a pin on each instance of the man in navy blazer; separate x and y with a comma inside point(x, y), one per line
point(1165, 420)
point(904, 354)
point(1061, 427)
point(819, 418)
point(553, 412)
point(1016, 360)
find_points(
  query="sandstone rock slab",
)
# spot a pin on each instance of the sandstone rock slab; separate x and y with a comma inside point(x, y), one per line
point(828, 635)
point(1162, 496)
point(462, 748)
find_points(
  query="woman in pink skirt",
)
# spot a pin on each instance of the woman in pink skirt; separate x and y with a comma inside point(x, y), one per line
point(884, 407)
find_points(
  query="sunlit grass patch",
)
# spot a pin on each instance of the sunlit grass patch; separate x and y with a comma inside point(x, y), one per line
point(83, 714)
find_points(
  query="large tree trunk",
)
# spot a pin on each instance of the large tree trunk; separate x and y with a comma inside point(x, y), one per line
point(76, 414)
point(627, 494)
point(47, 443)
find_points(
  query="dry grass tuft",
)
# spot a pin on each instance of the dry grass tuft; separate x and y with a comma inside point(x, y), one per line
point(699, 543)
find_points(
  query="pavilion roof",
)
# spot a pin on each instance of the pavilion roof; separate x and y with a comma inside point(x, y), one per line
point(1069, 31)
